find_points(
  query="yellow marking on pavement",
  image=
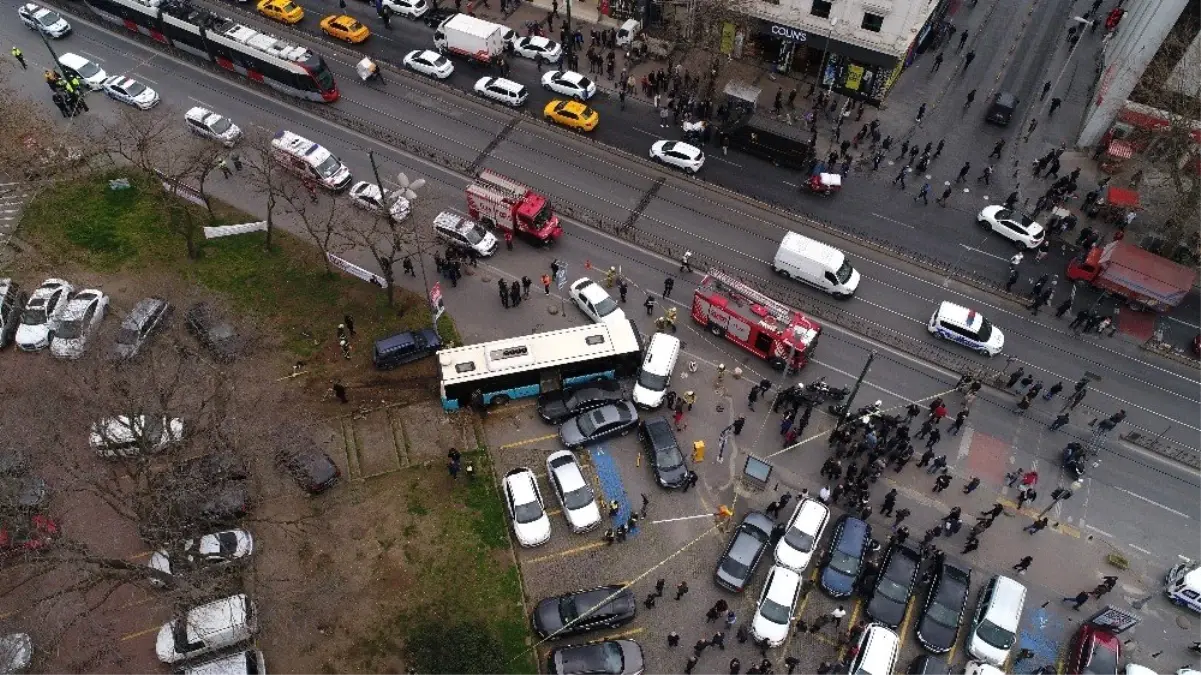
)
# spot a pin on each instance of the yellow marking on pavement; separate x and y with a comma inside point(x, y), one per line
point(954, 646)
point(138, 556)
point(853, 618)
point(800, 613)
point(570, 551)
point(625, 634)
point(1035, 515)
point(554, 512)
point(903, 630)
point(518, 444)
point(138, 634)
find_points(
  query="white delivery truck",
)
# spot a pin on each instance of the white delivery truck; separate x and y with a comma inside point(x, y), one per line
point(472, 38)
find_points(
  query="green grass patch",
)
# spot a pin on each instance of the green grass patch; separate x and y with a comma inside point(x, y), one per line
point(469, 581)
point(84, 222)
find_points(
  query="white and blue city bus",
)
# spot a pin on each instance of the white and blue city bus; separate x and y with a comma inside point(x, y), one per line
point(494, 373)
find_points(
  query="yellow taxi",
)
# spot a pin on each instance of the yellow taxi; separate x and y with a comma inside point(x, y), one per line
point(345, 28)
point(571, 114)
point(281, 10)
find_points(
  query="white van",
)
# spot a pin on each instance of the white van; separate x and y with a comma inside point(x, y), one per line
point(816, 264)
point(207, 628)
point(877, 653)
point(309, 160)
point(995, 622)
point(628, 32)
point(249, 662)
point(655, 374)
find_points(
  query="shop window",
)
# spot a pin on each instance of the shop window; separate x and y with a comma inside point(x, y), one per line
point(872, 22)
point(820, 8)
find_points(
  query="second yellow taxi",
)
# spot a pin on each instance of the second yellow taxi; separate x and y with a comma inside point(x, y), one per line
point(345, 28)
point(285, 11)
point(571, 114)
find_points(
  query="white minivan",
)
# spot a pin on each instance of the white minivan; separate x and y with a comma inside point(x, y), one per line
point(655, 374)
point(995, 622)
point(816, 264)
point(208, 628)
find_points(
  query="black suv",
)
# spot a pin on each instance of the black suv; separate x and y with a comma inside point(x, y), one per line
point(663, 452)
point(894, 585)
point(216, 335)
point(938, 628)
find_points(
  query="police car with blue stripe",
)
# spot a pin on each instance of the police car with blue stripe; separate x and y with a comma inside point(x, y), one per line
point(966, 327)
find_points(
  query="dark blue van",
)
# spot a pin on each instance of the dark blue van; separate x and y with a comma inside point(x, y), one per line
point(844, 559)
point(403, 348)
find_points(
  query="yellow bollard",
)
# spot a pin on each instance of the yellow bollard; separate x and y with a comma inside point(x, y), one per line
point(698, 451)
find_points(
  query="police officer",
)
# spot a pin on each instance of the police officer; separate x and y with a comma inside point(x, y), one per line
point(19, 57)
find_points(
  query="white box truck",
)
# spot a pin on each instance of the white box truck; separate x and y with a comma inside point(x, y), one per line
point(472, 38)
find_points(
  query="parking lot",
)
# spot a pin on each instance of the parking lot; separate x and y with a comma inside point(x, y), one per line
point(678, 541)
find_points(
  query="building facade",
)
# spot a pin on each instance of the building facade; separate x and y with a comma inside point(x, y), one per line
point(856, 48)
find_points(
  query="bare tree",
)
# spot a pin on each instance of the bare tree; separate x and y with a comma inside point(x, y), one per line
point(32, 146)
point(144, 138)
point(266, 176)
point(391, 239)
point(322, 220)
point(1169, 86)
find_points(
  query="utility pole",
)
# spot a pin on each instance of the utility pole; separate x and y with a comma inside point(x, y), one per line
point(408, 189)
point(569, 48)
point(846, 410)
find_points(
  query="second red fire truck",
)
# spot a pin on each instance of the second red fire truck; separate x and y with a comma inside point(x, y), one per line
point(765, 327)
point(504, 204)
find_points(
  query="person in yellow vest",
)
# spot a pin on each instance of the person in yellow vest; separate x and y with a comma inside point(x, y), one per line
point(19, 57)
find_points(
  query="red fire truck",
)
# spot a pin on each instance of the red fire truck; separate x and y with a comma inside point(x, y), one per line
point(767, 328)
point(504, 204)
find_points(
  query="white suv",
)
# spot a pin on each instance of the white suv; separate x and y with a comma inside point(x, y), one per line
point(42, 314)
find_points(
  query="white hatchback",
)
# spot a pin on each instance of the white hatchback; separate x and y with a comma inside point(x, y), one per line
point(1016, 227)
point(367, 196)
point(84, 313)
point(777, 604)
point(91, 74)
point(569, 83)
point(595, 302)
point(524, 502)
point(208, 124)
point(538, 47)
point(800, 540)
point(678, 154)
point(574, 493)
point(42, 314)
point(501, 90)
point(413, 9)
point(38, 18)
point(429, 62)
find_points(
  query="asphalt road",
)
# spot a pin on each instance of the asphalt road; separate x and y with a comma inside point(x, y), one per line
point(1143, 498)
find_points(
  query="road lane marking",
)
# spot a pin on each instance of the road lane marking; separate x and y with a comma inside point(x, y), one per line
point(673, 520)
point(965, 446)
point(138, 634)
point(719, 159)
point(1153, 503)
point(200, 102)
point(1099, 531)
point(92, 56)
point(983, 252)
point(518, 444)
point(570, 551)
point(1140, 549)
point(792, 184)
point(644, 131)
point(891, 220)
point(1181, 321)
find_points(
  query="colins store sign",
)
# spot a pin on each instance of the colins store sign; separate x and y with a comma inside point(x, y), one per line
point(788, 33)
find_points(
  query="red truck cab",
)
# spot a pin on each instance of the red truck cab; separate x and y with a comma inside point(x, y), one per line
point(1136, 274)
point(503, 203)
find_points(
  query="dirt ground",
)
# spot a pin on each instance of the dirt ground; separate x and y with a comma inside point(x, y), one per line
point(336, 577)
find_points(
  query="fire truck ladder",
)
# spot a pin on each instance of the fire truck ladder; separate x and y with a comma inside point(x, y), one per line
point(779, 310)
point(490, 179)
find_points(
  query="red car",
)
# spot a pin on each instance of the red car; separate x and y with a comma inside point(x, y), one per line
point(27, 537)
point(1094, 651)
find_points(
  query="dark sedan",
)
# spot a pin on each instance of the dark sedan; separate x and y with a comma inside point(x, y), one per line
point(938, 628)
point(312, 469)
point(215, 334)
point(557, 406)
point(602, 607)
point(894, 585)
point(663, 452)
point(599, 424)
point(742, 556)
point(844, 560)
point(609, 657)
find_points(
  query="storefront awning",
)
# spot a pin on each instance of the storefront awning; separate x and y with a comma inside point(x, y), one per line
point(815, 40)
